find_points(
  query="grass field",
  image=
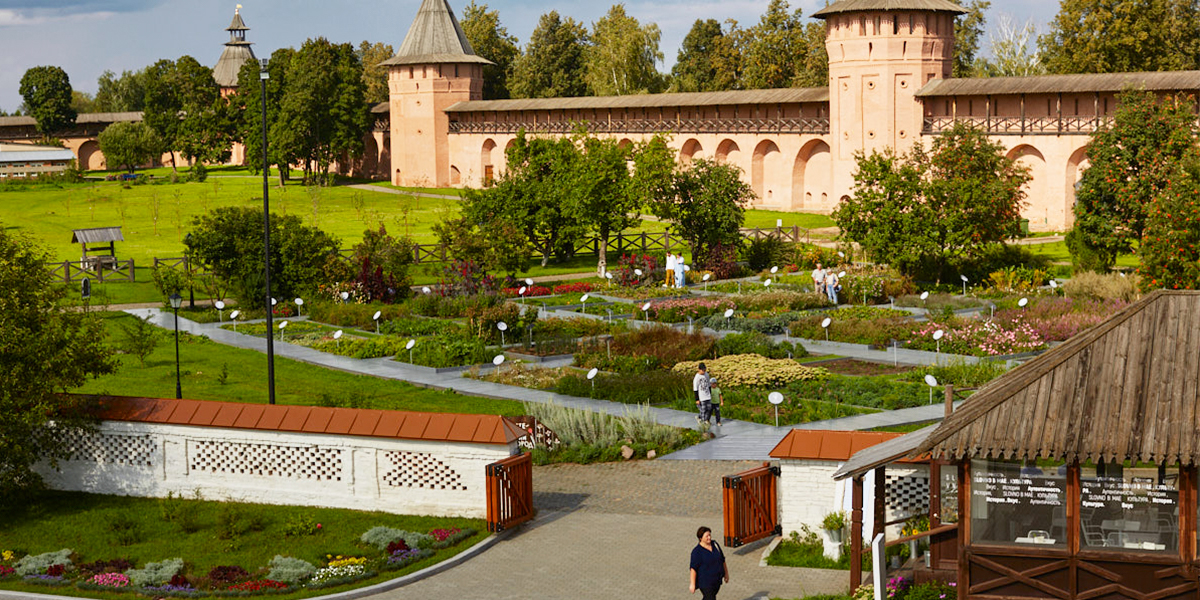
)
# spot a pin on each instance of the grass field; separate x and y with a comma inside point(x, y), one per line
point(203, 361)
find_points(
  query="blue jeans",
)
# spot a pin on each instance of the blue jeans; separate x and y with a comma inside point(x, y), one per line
point(831, 291)
point(679, 279)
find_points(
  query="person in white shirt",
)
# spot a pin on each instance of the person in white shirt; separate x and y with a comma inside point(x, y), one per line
point(818, 277)
point(671, 260)
point(702, 386)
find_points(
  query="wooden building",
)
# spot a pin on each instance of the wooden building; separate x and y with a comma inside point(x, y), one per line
point(1074, 476)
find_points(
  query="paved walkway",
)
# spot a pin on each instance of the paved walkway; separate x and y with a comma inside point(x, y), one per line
point(618, 530)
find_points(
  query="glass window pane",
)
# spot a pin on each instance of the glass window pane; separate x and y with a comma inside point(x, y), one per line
point(1127, 507)
point(1018, 503)
point(949, 494)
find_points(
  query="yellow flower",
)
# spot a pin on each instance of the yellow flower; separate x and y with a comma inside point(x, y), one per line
point(7, 555)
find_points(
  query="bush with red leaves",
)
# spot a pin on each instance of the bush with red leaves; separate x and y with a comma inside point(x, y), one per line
point(117, 565)
point(581, 287)
point(396, 546)
point(259, 585)
point(55, 570)
point(227, 574)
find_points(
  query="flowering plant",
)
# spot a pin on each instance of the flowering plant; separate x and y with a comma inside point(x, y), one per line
point(581, 287)
point(897, 586)
point(628, 266)
point(676, 311)
point(110, 580)
point(7, 556)
point(755, 370)
point(400, 557)
point(356, 294)
point(259, 585)
point(341, 572)
point(6, 570)
point(530, 292)
point(441, 534)
point(56, 570)
point(350, 560)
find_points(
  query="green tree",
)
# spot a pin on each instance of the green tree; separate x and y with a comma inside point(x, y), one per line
point(1116, 36)
point(82, 102)
point(968, 29)
point(602, 184)
point(1132, 162)
point(47, 95)
point(126, 93)
point(493, 246)
point(228, 241)
point(491, 40)
point(129, 145)
point(782, 50)
point(323, 114)
point(383, 263)
point(163, 105)
point(934, 210)
point(553, 63)
point(1170, 248)
point(374, 74)
point(708, 60)
point(205, 130)
point(623, 57)
point(706, 206)
point(249, 106)
point(45, 352)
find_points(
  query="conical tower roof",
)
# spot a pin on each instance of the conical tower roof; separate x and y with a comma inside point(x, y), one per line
point(844, 6)
point(435, 37)
point(237, 52)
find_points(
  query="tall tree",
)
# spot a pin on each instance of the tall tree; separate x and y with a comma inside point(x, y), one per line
point(782, 50)
point(492, 41)
point(249, 105)
point(968, 30)
point(128, 144)
point(708, 60)
point(553, 63)
point(47, 95)
point(1132, 163)
point(706, 206)
point(206, 129)
point(82, 102)
point(1114, 36)
point(375, 75)
point(933, 210)
point(163, 105)
point(624, 55)
point(126, 93)
point(1170, 248)
point(1011, 52)
point(44, 352)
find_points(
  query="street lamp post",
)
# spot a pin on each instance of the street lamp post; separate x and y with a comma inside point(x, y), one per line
point(176, 301)
point(263, 75)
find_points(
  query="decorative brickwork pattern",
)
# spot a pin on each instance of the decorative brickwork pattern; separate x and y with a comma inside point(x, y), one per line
point(111, 448)
point(266, 460)
point(422, 470)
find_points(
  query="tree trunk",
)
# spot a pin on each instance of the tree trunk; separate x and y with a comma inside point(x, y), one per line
point(602, 253)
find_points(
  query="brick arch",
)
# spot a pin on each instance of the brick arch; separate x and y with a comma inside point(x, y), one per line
point(812, 176)
point(766, 174)
point(89, 156)
point(728, 151)
point(370, 156)
point(690, 151)
point(487, 165)
point(455, 175)
point(1038, 206)
point(1076, 165)
point(625, 143)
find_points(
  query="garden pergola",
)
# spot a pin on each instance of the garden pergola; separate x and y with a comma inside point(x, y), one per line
point(101, 236)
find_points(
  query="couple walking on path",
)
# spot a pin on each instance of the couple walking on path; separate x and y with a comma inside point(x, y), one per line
point(675, 270)
point(702, 386)
point(826, 282)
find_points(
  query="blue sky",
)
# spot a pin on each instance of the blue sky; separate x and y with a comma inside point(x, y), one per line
point(85, 37)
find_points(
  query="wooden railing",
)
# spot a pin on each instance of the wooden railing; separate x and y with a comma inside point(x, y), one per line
point(110, 270)
point(1074, 125)
point(751, 509)
point(811, 125)
point(509, 492)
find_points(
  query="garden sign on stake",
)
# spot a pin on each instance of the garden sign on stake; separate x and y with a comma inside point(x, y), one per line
point(775, 398)
point(220, 310)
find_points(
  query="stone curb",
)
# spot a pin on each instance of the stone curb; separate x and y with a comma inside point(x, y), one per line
point(378, 588)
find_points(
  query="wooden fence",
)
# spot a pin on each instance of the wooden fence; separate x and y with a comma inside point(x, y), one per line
point(509, 492)
point(103, 271)
point(751, 507)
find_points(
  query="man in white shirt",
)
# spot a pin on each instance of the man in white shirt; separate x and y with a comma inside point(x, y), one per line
point(670, 268)
point(818, 277)
point(702, 386)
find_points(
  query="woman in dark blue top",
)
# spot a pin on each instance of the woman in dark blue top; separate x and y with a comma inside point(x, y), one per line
point(708, 565)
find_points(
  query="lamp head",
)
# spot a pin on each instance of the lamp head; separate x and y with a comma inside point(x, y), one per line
point(176, 300)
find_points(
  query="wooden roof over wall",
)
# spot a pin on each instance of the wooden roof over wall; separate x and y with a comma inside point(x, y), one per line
point(671, 100)
point(844, 6)
point(96, 235)
point(1125, 390)
point(1157, 81)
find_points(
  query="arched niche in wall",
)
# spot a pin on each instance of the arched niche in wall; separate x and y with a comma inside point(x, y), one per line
point(486, 163)
point(1038, 209)
point(728, 152)
point(89, 157)
point(1076, 165)
point(767, 177)
point(812, 176)
point(690, 151)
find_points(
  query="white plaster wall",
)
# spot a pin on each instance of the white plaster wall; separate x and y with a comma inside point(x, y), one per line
point(808, 492)
point(149, 460)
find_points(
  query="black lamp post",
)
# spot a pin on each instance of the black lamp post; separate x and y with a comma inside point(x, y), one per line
point(176, 301)
point(263, 75)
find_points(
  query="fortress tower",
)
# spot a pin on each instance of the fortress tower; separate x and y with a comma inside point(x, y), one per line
point(237, 52)
point(880, 53)
point(434, 69)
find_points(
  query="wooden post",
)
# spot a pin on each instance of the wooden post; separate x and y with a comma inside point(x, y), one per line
point(856, 523)
point(880, 502)
point(949, 399)
point(964, 527)
point(1073, 527)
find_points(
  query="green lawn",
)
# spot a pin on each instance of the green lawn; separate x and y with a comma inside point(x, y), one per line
point(101, 527)
point(766, 219)
point(1057, 252)
point(203, 361)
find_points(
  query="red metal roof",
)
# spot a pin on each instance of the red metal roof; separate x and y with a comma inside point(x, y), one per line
point(477, 429)
point(836, 446)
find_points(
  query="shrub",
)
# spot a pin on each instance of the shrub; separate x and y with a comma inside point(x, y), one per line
point(444, 351)
point(155, 573)
point(858, 325)
point(678, 311)
point(656, 387)
point(482, 321)
point(960, 374)
point(227, 574)
point(628, 265)
point(381, 537)
point(576, 327)
point(806, 256)
point(1096, 286)
point(753, 342)
point(779, 301)
point(933, 590)
point(125, 529)
point(1018, 279)
point(770, 325)
point(645, 349)
point(576, 427)
point(141, 338)
point(117, 565)
point(397, 546)
point(764, 252)
point(977, 338)
point(453, 307)
point(416, 326)
point(301, 525)
point(872, 392)
point(343, 314)
point(938, 302)
point(753, 370)
point(721, 261)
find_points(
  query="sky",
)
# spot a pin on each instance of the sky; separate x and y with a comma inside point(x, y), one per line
point(87, 37)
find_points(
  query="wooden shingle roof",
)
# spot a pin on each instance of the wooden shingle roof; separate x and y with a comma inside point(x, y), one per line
point(97, 235)
point(671, 100)
point(1062, 84)
point(435, 37)
point(844, 6)
point(477, 429)
point(1125, 390)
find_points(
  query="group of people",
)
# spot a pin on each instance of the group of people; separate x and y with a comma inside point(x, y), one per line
point(702, 387)
point(675, 270)
point(826, 282)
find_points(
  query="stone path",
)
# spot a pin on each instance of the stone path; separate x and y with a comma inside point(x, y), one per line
point(618, 530)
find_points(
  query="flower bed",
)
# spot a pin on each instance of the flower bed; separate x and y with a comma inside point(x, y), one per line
point(581, 287)
point(754, 370)
point(530, 292)
point(292, 328)
point(644, 293)
point(643, 350)
point(976, 337)
point(678, 311)
point(779, 301)
point(857, 325)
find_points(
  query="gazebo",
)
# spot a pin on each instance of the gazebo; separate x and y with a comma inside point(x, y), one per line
point(97, 235)
point(1074, 476)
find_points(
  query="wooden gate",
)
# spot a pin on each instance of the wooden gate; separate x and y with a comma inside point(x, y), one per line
point(751, 508)
point(509, 492)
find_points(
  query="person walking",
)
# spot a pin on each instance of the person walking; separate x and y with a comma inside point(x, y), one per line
point(702, 386)
point(832, 286)
point(670, 267)
point(680, 269)
point(708, 566)
point(818, 277)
